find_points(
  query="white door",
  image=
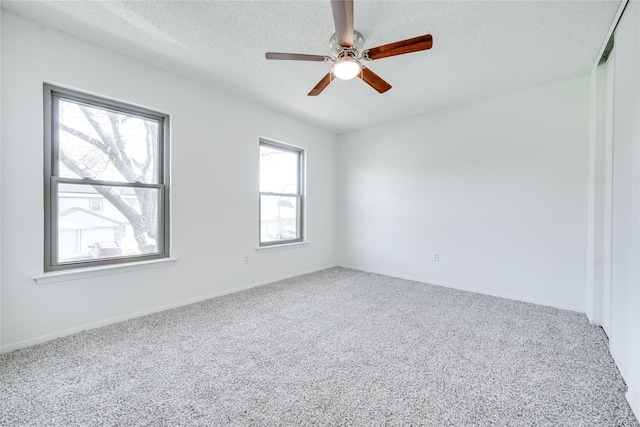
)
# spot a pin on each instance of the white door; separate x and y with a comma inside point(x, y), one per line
point(625, 224)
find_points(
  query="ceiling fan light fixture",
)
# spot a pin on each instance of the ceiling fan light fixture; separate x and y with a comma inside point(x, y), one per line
point(346, 68)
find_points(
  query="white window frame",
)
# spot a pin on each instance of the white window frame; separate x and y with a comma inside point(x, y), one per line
point(300, 195)
point(51, 178)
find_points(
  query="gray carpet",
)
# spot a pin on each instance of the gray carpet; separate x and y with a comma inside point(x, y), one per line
point(337, 347)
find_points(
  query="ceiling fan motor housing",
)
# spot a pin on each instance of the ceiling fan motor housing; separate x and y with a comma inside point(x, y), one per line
point(342, 51)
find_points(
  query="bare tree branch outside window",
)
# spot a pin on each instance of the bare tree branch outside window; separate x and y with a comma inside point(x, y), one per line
point(92, 157)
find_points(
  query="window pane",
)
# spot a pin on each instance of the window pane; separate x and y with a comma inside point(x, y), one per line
point(127, 225)
point(279, 218)
point(278, 170)
point(101, 144)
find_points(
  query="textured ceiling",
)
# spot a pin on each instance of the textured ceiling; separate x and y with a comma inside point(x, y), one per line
point(481, 48)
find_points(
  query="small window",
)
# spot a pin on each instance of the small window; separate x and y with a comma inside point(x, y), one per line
point(106, 181)
point(95, 205)
point(281, 194)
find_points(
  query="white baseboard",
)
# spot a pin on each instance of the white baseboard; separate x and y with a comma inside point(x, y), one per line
point(469, 289)
point(634, 402)
point(44, 338)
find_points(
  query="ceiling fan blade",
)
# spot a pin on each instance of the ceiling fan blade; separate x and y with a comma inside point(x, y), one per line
point(322, 84)
point(373, 80)
point(296, 57)
point(343, 20)
point(399, 48)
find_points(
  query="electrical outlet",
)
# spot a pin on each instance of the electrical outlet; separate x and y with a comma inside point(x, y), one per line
point(436, 256)
point(246, 259)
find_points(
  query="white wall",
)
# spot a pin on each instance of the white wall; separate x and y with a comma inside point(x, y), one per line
point(0, 189)
point(498, 188)
point(215, 188)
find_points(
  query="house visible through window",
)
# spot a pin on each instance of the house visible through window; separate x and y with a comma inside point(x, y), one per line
point(281, 194)
point(106, 181)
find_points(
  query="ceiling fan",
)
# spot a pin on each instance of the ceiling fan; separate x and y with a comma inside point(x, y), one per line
point(347, 54)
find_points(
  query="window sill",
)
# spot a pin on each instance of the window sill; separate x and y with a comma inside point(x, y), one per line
point(283, 246)
point(83, 273)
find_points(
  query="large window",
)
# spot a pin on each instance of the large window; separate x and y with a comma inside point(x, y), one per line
point(281, 194)
point(106, 181)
